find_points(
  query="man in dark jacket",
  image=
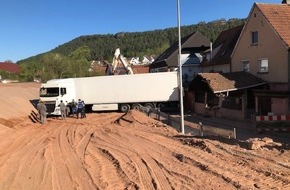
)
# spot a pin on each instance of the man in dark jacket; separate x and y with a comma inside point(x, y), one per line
point(80, 107)
point(83, 115)
point(73, 107)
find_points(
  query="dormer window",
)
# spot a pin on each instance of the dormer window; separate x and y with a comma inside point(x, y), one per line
point(255, 37)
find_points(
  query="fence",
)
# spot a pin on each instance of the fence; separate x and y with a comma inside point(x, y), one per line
point(272, 123)
point(231, 134)
point(198, 129)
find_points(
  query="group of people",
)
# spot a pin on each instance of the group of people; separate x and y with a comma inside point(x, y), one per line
point(77, 108)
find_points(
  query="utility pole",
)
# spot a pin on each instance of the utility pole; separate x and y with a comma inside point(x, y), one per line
point(180, 70)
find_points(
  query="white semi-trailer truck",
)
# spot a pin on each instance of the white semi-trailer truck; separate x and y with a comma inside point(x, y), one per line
point(108, 93)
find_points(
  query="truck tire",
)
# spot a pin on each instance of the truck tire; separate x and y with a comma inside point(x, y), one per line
point(124, 107)
point(149, 106)
point(136, 106)
point(161, 105)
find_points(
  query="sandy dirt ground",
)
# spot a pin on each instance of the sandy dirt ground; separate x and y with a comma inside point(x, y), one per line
point(135, 153)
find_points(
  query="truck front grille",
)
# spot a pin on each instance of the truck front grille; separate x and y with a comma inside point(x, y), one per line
point(50, 106)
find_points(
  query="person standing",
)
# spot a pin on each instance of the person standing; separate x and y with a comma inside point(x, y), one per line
point(67, 112)
point(62, 107)
point(83, 115)
point(80, 107)
point(73, 107)
point(42, 111)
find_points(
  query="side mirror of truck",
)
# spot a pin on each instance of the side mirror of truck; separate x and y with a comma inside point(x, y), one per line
point(63, 91)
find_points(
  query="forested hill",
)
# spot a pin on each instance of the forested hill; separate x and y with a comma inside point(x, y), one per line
point(138, 44)
point(73, 58)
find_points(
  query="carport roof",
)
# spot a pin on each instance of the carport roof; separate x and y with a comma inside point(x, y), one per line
point(224, 82)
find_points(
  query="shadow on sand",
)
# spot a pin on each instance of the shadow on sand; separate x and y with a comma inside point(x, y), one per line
point(34, 117)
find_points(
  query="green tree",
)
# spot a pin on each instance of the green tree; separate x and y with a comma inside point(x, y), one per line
point(79, 61)
point(73, 58)
point(53, 66)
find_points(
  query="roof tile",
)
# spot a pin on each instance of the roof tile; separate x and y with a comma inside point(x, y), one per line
point(10, 67)
point(222, 82)
point(279, 17)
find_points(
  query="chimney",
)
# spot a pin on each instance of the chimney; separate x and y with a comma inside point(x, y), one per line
point(286, 2)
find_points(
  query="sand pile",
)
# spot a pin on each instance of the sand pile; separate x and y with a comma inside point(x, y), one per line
point(17, 98)
point(137, 153)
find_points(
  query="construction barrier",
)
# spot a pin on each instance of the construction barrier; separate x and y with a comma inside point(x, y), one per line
point(272, 123)
point(228, 133)
point(202, 129)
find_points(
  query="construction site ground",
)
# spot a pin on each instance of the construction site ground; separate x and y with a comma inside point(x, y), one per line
point(136, 152)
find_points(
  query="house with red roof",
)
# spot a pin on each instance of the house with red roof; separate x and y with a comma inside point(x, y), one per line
point(249, 68)
point(9, 67)
point(263, 50)
point(7, 70)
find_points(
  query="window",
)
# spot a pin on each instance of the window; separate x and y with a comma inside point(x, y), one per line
point(246, 65)
point(263, 63)
point(49, 92)
point(255, 37)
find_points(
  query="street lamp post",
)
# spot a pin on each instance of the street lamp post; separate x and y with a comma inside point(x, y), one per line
point(180, 70)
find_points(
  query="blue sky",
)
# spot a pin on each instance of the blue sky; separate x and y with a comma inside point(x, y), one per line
point(30, 27)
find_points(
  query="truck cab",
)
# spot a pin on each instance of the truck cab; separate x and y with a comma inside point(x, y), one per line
point(54, 91)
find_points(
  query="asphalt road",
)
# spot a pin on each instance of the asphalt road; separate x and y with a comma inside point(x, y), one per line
point(244, 129)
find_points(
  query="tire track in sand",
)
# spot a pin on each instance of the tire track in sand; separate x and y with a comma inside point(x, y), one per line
point(95, 153)
point(148, 178)
point(68, 168)
point(24, 157)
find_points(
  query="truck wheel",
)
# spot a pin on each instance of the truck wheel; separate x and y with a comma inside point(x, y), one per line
point(149, 106)
point(161, 105)
point(124, 107)
point(136, 106)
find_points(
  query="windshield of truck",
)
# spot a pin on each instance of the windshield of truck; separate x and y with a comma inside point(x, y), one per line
point(49, 92)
